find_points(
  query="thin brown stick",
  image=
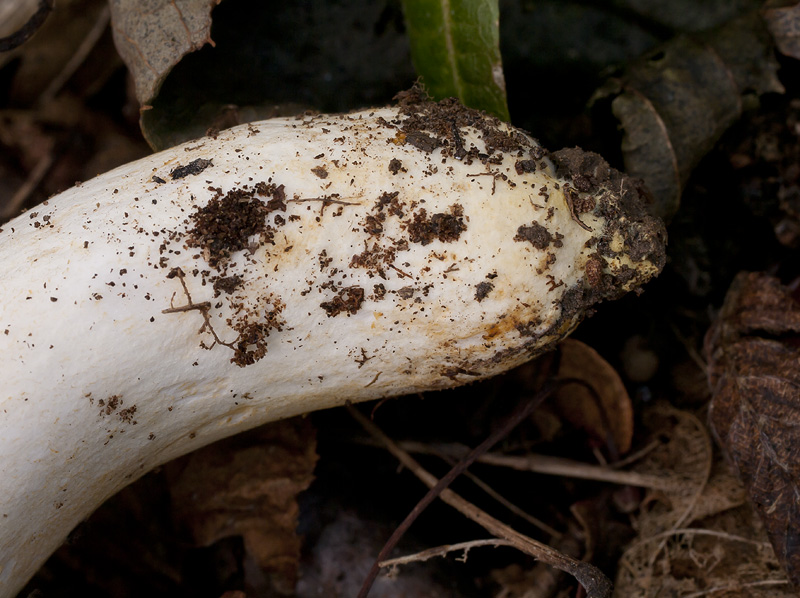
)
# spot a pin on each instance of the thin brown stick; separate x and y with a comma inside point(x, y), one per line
point(78, 57)
point(564, 467)
point(572, 213)
point(739, 586)
point(431, 553)
point(35, 177)
point(204, 306)
point(325, 200)
point(548, 465)
point(501, 499)
point(521, 413)
point(592, 579)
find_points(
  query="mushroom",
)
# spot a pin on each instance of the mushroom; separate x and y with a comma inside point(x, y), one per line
point(278, 268)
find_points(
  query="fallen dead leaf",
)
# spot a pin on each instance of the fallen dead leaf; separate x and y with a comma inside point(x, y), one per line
point(783, 20)
point(247, 485)
point(152, 36)
point(675, 102)
point(755, 410)
point(613, 415)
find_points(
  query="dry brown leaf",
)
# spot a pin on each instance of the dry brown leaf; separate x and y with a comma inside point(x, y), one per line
point(577, 404)
point(755, 411)
point(701, 537)
point(153, 35)
point(783, 20)
point(247, 485)
point(675, 102)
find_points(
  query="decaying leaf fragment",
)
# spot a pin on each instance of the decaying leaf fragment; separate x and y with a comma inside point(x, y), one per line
point(247, 486)
point(783, 19)
point(153, 35)
point(606, 412)
point(675, 102)
point(755, 411)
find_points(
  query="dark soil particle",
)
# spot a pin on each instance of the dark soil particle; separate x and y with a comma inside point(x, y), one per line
point(278, 193)
point(645, 236)
point(226, 284)
point(374, 259)
point(251, 344)
point(395, 166)
point(373, 225)
point(594, 271)
point(126, 415)
point(441, 226)
point(389, 202)
point(320, 172)
point(110, 404)
point(226, 223)
point(348, 299)
point(536, 235)
point(435, 124)
point(482, 289)
point(422, 141)
point(405, 292)
point(580, 203)
point(523, 166)
point(194, 167)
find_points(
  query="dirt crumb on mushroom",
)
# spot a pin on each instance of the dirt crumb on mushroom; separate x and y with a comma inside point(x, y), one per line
point(537, 235)
point(194, 167)
point(444, 227)
point(348, 300)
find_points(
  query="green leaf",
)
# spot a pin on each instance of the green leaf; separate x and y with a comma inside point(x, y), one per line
point(455, 46)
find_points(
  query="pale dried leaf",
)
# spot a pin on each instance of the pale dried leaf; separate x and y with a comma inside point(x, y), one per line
point(152, 36)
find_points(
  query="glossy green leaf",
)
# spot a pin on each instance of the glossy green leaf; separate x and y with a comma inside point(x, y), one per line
point(455, 46)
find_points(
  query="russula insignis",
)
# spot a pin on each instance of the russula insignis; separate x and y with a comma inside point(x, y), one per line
point(278, 268)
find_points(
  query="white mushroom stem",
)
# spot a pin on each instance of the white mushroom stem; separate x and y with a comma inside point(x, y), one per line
point(282, 267)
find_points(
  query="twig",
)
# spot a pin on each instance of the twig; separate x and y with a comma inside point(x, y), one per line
point(739, 586)
point(573, 215)
point(548, 465)
point(592, 579)
point(35, 177)
point(437, 486)
point(491, 173)
point(324, 200)
point(502, 499)
point(460, 151)
point(690, 349)
point(443, 551)
point(564, 467)
point(696, 531)
point(78, 57)
point(637, 455)
point(203, 307)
